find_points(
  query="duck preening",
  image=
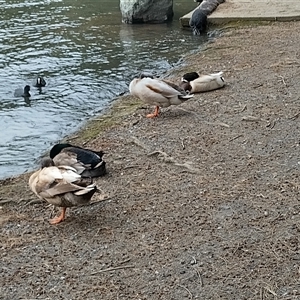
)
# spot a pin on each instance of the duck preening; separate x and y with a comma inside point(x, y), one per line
point(160, 93)
point(86, 162)
point(40, 82)
point(194, 83)
point(23, 92)
point(61, 186)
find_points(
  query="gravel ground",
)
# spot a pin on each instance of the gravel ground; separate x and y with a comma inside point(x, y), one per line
point(199, 203)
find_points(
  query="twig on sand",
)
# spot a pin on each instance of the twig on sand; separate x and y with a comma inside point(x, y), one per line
point(29, 201)
point(200, 277)
point(35, 201)
point(268, 289)
point(182, 144)
point(282, 79)
point(294, 117)
point(222, 124)
point(139, 143)
point(112, 269)
point(218, 124)
point(235, 137)
point(190, 294)
point(251, 119)
point(170, 159)
point(165, 157)
point(6, 201)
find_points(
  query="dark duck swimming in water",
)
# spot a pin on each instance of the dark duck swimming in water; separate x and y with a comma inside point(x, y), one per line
point(88, 163)
point(40, 82)
point(23, 92)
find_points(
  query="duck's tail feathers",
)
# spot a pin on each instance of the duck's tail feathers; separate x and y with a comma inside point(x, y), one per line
point(219, 78)
point(86, 190)
point(186, 97)
point(219, 74)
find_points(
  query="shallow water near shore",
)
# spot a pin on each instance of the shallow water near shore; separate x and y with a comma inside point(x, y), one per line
point(87, 57)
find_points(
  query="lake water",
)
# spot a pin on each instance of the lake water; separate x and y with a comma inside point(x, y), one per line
point(87, 57)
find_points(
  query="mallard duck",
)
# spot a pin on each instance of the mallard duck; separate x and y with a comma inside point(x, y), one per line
point(23, 92)
point(203, 83)
point(88, 163)
point(40, 82)
point(157, 92)
point(60, 186)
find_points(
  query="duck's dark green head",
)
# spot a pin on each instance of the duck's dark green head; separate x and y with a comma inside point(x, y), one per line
point(187, 77)
point(58, 148)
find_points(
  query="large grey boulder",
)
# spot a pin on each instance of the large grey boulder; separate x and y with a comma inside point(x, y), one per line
point(146, 11)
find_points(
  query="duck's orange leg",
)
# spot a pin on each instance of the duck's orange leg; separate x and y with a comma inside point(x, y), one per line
point(155, 114)
point(60, 218)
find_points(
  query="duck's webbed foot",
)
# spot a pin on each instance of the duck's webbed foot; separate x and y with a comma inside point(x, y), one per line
point(60, 218)
point(155, 114)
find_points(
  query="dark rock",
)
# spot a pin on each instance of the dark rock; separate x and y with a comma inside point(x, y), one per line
point(146, 11)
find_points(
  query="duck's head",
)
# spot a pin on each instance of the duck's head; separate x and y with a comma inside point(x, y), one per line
point(46, 162)
point(26, 91)
point(190, 76)
point(57, 149)
point(40, 82)
point(185, 85)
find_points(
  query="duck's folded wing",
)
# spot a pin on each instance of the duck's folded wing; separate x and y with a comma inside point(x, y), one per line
point(86, 190)
point(175, 86)
point(162, 88)
point(209, 78)
point(59, 189)
point(88, 158)
point(69, 159)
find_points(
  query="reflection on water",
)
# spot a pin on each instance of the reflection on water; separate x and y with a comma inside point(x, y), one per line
point(87, 57)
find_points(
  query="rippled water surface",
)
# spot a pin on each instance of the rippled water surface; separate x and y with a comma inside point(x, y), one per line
point(87, 57)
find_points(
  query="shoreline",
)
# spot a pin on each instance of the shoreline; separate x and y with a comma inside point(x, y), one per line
point(119, 107)
point(201, 202)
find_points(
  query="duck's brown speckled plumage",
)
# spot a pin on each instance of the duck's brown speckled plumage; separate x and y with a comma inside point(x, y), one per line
point(61, 186)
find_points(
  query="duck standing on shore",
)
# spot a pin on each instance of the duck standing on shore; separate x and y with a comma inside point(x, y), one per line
point(60, 186)
point(194, 83)
point(157, 92)
point(86, 162)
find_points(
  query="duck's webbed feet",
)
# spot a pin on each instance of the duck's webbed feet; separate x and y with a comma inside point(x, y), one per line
point(155, 114)
point(60, 218)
